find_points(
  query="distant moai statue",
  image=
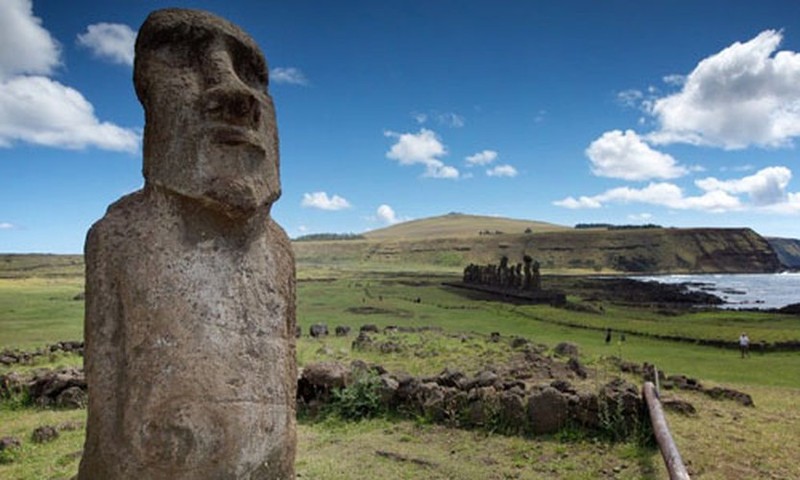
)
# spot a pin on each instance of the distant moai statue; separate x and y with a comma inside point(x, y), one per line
point(503, 272)
point(526, 284)
point(518, 276)
point(537, 277)
point(190, 284)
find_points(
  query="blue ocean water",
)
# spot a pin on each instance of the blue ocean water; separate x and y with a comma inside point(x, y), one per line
point(742, 290)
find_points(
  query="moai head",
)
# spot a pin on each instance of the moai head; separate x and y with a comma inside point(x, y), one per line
point(210, 132)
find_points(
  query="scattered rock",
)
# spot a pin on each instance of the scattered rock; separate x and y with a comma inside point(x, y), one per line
point(730, 394)
point(44, 434)
point(547, 411)
point(567, 349)
point(678, 406)
point(318, 330)
point(342, 330)
point(8, 443)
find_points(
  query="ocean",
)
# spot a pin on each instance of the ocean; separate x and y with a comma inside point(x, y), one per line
point(762, 291)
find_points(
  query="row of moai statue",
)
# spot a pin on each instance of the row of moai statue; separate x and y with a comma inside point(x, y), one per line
point(522, 276)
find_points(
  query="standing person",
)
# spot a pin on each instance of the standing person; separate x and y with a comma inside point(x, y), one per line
point(608, 336)
point(744, 345)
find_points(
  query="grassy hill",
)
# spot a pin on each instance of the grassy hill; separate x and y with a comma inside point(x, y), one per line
point(455, 240)
point(458, 225)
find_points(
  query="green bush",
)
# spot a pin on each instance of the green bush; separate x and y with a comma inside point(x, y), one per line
point(360, 400)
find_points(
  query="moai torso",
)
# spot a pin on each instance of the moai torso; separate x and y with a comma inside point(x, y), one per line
point(190, 313)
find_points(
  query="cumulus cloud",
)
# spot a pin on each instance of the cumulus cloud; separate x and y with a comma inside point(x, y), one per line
point(110, 41)
point(422, 148)
point(387, 215)
point(502, 171)
point(765, 187)
point(321, 201)
point(482, 158)
point(41, 111)
point(662, 194)
point(36, 109)
point(288, 76)
point(747, 94)
point(625, 155)
point(7, 226)
point(25, 46)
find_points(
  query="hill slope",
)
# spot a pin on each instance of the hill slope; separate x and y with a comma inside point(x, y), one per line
point(459, 225)
point(788, 251)
point(652, 250)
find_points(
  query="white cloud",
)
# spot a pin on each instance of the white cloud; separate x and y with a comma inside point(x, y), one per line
point(25, 46)
point(482, 158)
point(450, 119)
point(578, 203)
point(422, 148)
point(674, 79)
point(765, 187)
point(502, 171)
point(626, 156)
point(302, 229)
point(747, 94)
point(640, 217)
point(443, 171)
point(7, 226)
point(36, 109)
point(630, 97)
point(321, 201)
point(41, 111)
point(387, 215)
point(420, 117)
point(662, 194)
point(288, 75)
point(110, 41)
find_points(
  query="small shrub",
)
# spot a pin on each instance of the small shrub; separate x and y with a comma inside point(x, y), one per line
point(360, 400)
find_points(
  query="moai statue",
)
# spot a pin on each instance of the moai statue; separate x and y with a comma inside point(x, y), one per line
point(503, 272)
point(518, 276)
point(526, 284)
point(190, 284)
point(537, 277)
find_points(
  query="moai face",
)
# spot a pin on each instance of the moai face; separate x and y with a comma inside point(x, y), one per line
point(210, 131)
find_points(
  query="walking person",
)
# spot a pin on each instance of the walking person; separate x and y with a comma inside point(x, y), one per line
point(744, 345)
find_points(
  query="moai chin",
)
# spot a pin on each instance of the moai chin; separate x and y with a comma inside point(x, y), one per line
point(190, 285)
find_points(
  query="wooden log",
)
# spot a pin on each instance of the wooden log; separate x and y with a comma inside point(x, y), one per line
point(669, 451)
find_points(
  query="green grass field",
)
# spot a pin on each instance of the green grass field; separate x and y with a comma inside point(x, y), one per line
point(723, 441)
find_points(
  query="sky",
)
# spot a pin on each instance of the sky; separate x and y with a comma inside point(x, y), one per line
point(679, 113)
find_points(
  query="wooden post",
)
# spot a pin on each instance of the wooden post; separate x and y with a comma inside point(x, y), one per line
point(669, 451)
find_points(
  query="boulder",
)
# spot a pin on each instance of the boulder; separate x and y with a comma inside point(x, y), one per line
point(318, 330)
point(547, 411)
point(567, 349)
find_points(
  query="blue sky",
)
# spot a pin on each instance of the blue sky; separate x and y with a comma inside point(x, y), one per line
point(680, 113)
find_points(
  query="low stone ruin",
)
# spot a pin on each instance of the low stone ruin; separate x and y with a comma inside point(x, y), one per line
point(502, 399)
point(10, 357)
point(63, 388)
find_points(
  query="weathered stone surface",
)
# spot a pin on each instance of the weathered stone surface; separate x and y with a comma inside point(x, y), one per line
point(44, 434)
point(47, 386)
point(320, 379)
point(190, 314)
point(567, 349)
point(318, 330)
point(548, 411)
point(9, 443)
point(342, 330)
